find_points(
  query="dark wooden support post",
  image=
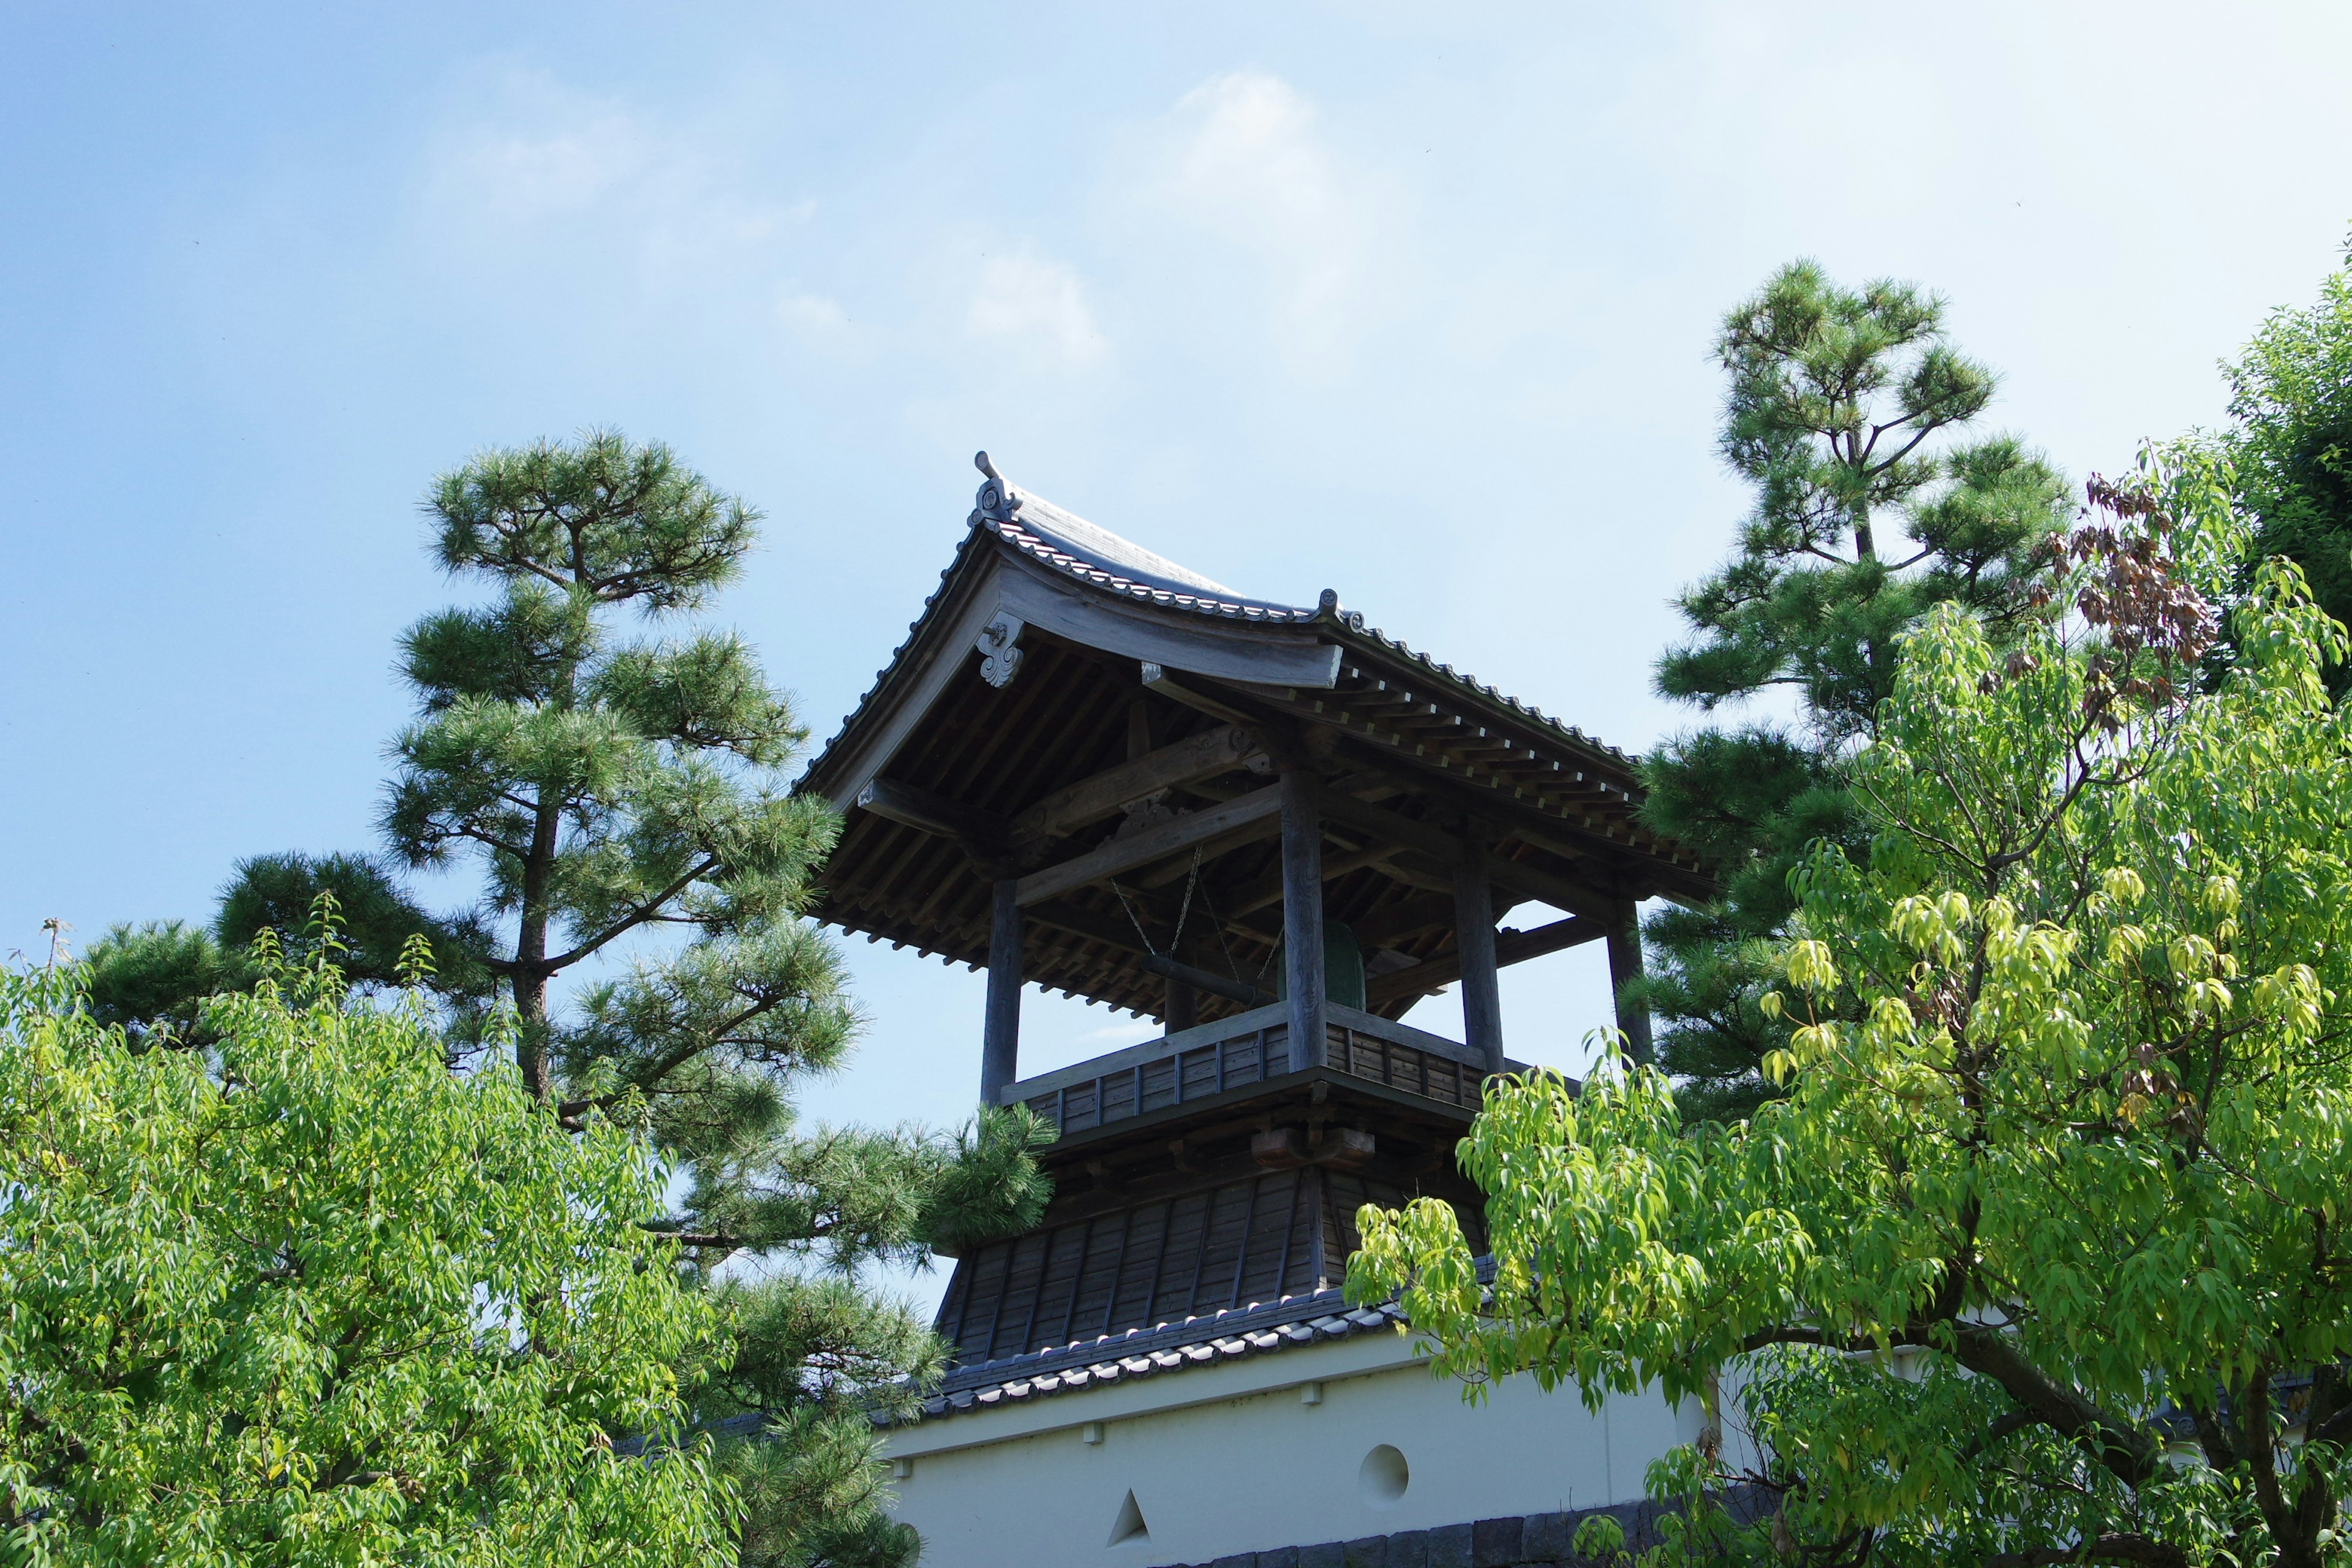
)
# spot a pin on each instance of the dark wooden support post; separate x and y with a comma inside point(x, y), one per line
point(1302, 915)
point(1183, 1008)
point(1474, 937)
point(1624, 967)
point(999, 1043)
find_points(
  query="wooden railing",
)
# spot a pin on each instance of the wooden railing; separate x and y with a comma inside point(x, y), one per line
point(1249, 1048)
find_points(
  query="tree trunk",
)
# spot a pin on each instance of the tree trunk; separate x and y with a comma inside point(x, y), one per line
point(531, 972)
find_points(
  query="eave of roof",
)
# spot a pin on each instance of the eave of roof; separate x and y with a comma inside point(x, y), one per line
point(1035, 530)
point(1260, 1329)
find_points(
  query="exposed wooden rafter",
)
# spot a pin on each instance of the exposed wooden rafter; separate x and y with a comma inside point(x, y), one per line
point(1510, 947)
point(934, 814)
point(1172, 837)
point(1105, 793)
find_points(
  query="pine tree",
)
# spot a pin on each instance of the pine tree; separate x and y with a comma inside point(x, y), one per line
point(1842, 412)
point(2291, 442)
point(608, 786)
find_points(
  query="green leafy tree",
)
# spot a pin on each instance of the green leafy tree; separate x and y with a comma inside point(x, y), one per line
point(1843, 410)
point(2290, 440)
point(2042, 1259)
point(612, 790)
point(309, 1298)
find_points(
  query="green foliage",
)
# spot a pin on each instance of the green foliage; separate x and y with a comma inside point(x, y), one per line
point(606, 786)
point(310, 1298)
point(1840, 411)
point(2291, 443)
point(2042, 1257)
point(600, 784)
point(150, 979)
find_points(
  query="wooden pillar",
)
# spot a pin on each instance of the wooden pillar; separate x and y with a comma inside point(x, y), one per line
point(1000, 1040)
point(1473, 938)
point(1302, 915)
point(1183, 1008)
point(1318, 1249)
point(1624, 967)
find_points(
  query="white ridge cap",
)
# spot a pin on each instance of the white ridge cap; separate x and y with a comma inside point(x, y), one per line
point(1093, 542)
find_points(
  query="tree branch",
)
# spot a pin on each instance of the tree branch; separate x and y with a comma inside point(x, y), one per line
point(639, 917)
point(2130, 1453)
point(2098, 1549)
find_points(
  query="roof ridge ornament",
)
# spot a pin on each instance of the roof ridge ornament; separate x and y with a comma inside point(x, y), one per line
point(997, 500)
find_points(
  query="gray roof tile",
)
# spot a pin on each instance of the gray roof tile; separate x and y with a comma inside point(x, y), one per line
point(1260, 1329)
point(1143, 586)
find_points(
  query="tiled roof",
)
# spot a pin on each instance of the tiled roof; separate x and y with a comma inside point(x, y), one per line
point(1353, 621)
point(914, 630)
point(1053, 546)
point(1055, 549)
point(1058, 539)
point(1260, 1329)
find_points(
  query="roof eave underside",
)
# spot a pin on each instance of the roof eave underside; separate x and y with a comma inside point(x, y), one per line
point(1347, 629)
point(1505, 749)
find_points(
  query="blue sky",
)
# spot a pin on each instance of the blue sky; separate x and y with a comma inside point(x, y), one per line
point(1409, 302)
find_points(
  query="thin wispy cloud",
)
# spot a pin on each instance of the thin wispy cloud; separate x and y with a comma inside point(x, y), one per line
point(1030, 303)
point(595, 195)
point(1242, 162)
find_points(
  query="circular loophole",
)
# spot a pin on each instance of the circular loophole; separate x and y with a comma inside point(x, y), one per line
point(1384, 1477)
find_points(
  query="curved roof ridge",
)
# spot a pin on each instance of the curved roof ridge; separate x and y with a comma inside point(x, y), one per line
point(1091, 541)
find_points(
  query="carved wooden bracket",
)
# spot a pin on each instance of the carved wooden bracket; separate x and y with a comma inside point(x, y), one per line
point(1001, 655)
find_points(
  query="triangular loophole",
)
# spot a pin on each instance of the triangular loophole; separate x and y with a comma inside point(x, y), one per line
point(1129, 1525)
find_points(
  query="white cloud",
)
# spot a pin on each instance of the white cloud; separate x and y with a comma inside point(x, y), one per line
point(819, 322)
point(523, 176)
point(1026, 299)
point(531, 175)
point(1243, 160)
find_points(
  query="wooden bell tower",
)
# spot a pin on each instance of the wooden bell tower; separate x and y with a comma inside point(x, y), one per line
point(1270, 827)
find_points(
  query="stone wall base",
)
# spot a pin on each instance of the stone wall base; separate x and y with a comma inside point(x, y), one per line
point(1534, 1540)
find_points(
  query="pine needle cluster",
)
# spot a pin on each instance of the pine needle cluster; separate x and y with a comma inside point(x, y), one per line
point(1844, 412)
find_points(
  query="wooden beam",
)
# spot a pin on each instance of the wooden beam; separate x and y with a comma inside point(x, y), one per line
point(1558, 891)
point(1207, 980)
point(1179, 1005)
point(1063, 915)
point(1060, 915)
point(1390, 826)
point(1090, 800)
point(1518, 946)
point(1177, 868)
point(1157, 679)
point(1382, 928)
point(935, 814)
point(1422, 871)
point(1625, 863)
point(1152, 844)
point(1510, 947)
point(1265, 892)
point(1547, 886)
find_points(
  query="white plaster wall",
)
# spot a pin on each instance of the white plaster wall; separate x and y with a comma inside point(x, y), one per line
point(1229, 1459)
